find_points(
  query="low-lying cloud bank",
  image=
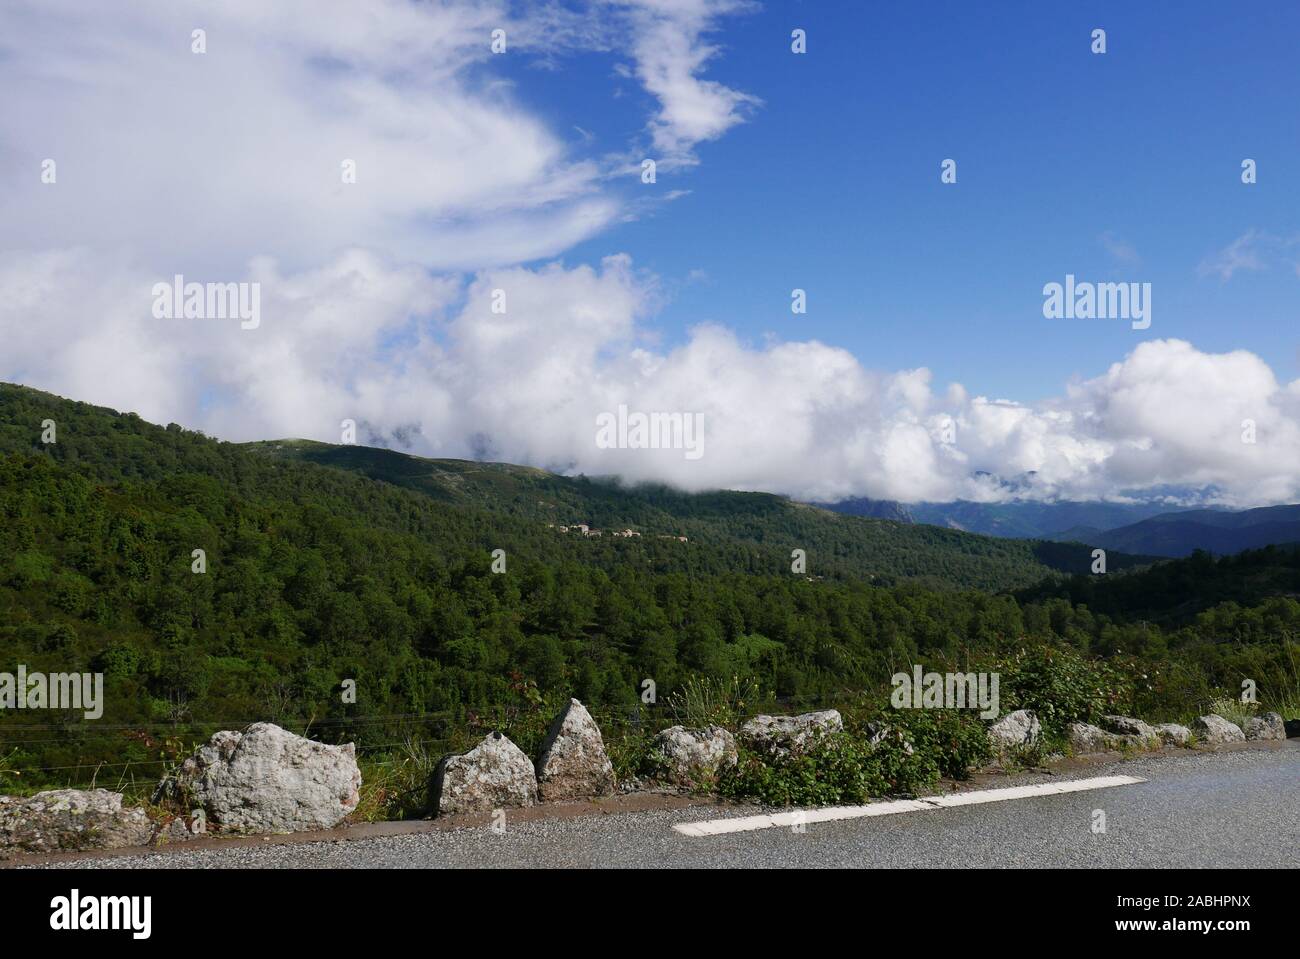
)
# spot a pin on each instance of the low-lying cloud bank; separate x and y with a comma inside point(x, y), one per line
point(519, 364)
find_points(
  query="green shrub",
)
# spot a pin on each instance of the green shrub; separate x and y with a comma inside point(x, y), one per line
point(956, 739)
point(842, 768)
point(629, 752)
point(1061, 686)
point(1031, 755)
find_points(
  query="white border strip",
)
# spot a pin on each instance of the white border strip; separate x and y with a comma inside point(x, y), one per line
point(716, 827)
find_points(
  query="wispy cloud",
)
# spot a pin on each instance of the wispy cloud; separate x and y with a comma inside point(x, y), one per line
point(1255, 250)
point(671, 52)
point(1123, 252)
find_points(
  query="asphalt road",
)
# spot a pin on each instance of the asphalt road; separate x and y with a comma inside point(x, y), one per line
point(1222, 809)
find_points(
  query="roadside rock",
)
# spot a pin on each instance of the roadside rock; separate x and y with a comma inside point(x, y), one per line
point(1214, 729)
point(180, 829)
point(692, 757)
point(1172, 734)
point(493, 775)
point(266, 779)
point(1020, 728)
point(781, 735)
point(1128, 726)
point(1267, 726)
point(70, 819)
point(1086, 738)
point(573, 764)
point(1292, 728)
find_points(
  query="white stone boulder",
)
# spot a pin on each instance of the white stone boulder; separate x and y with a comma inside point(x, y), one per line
point(495, 774)
point(1086, 738)
point(62, 819)
point(1019, 728)
point(1172, 734)
point(783, 735)
point(1215, 730)
point(1267, 726)
point(180, 829)
point(1129, 727)
point(573, 763)
point(266, 780)
point(690, 758)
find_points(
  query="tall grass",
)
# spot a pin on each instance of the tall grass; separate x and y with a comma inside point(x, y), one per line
point(397, 787)
point(1284, 695)
point(1234, 710)
point(705, 701)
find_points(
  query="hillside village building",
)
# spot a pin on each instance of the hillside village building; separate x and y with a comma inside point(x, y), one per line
point(588, 531)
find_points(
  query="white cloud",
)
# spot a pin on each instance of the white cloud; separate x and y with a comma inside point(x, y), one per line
point(406, 353)
point(225, 166)
point(671, 53)
point(205, 160)
point(1254, 250)
point(1121, 251)
point(80, 324)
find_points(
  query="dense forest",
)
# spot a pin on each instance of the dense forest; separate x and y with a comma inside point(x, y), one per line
point(324, 565)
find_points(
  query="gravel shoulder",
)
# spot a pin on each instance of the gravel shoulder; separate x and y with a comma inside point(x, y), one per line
point(1231, 807)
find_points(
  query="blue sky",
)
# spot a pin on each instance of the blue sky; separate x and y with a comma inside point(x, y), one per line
point(833, 184)
point(924, 362)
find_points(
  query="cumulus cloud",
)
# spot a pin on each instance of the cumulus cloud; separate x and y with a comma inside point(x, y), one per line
point(400, 301)
point(203, 160)
point(519, 363)
point(81, 324)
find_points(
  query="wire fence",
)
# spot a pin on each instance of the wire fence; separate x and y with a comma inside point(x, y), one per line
point(457, 726)
point(201, 730)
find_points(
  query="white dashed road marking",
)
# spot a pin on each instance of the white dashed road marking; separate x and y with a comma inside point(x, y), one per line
point(716, 827)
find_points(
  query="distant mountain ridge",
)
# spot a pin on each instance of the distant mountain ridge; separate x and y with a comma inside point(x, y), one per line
point(1148, 529)
point(1016, 519)
point(1025, 518)
point(1214, 531)
point(874, 508)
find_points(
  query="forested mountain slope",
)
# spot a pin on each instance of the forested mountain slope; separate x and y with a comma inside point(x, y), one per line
point(740, 531)
point(487, 506)
point(316, 575)
point(1177, 591)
